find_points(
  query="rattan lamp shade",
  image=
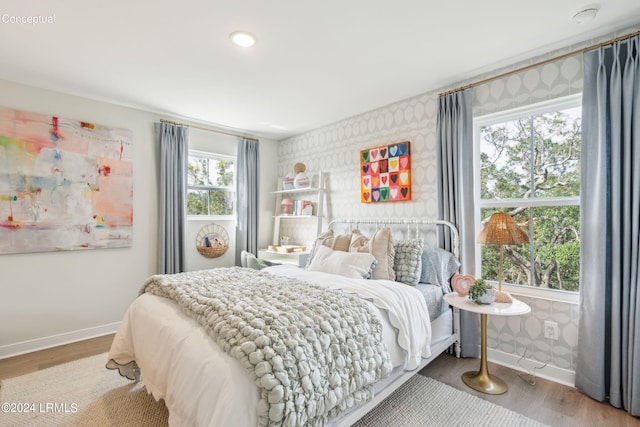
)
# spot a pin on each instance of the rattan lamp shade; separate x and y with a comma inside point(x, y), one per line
point(502, 230)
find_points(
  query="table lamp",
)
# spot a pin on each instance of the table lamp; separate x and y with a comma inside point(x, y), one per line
point(502, 230)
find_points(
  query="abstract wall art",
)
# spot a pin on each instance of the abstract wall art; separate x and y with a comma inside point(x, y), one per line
point(64, 184)
point(385, 173)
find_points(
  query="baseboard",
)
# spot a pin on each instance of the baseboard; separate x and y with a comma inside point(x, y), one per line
point(549, 372)
point(23, 347)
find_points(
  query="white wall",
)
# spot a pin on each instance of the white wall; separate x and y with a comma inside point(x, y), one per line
point(47, 299)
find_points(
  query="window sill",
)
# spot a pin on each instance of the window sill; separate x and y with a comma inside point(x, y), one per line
point(211, 218)
point(540, 293)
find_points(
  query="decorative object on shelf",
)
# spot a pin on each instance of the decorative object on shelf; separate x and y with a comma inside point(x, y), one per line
point(301, 180)
point(287, 181)
point(299, 167)
point(502, 230)
point(385, 173)
point(307, 209)
point(212, 240)
point(462, 283)
point(284, 240)
point(286, 206)
point(482, 293)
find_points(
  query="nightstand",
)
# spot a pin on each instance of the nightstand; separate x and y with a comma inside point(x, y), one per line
point(481, 380)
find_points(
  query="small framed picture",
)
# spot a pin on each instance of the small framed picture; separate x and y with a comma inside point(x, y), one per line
point(462, 283)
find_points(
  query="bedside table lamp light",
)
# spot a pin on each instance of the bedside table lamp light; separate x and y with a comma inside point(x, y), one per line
point(502, 230)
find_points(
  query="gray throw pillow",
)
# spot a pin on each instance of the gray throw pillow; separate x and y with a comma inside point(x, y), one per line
point(408, 261)
point(438, 266)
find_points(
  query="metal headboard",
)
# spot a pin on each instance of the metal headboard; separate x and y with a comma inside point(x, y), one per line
point(410, 223)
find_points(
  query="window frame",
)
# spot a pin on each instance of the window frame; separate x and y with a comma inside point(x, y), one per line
point(548, 106)
point(229, 189)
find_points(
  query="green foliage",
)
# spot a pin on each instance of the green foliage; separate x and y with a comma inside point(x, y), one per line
point(197, 203)
point(530, 158)
point(210, 183)
point(479, 288)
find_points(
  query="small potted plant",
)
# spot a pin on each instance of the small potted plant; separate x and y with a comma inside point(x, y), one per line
point(482, 293)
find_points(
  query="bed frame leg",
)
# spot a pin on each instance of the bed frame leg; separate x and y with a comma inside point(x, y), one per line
point(456, 330)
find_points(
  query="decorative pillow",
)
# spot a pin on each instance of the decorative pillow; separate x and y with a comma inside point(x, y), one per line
point(408, 262)
point(381, 247)
point(340, 242)
point(326, 239)
point(337, 242)
point(438, 266)
point(348, 264)
point(358, 241)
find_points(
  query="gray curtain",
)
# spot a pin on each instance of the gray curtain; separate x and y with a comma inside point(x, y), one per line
point(455, 192)
point(174, 153)
point(247, 193)
point(608, 363)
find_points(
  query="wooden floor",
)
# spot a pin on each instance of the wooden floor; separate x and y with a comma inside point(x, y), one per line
point(546, 401)
point(31, 362)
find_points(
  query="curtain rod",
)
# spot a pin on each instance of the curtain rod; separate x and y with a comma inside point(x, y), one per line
point(538, 64)
point(208, 129)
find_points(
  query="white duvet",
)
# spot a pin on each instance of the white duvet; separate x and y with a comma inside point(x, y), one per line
point(203, 386)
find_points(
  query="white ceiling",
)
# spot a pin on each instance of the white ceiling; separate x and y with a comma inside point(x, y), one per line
point(315, 62)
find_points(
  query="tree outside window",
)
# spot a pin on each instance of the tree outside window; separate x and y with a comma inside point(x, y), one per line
point(210, 184)
point(529, 167)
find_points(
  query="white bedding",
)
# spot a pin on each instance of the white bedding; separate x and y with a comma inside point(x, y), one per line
point(203, 386)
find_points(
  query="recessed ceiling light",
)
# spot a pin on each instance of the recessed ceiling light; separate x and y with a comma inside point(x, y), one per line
point(585, 15)
point(243, 38)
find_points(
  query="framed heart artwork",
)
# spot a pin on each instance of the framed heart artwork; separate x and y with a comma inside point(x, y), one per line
point(385, 173)
point(462, 283)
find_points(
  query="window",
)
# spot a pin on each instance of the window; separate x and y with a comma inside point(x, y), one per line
point(528, 165)
point(210, 184)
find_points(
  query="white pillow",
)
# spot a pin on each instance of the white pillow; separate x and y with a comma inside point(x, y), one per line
point(348, 264)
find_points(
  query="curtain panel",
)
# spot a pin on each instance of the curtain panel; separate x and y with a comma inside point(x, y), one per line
point(174, 153)
point(608, 363)
point(455, 193)
point(248, 196)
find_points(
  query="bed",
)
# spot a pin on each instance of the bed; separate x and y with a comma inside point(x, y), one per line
point(225, 381)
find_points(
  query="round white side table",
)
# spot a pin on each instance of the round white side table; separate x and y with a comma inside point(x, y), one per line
point(481, 380)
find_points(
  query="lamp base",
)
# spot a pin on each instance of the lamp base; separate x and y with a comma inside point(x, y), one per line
point(502, 296)
point(484, 383)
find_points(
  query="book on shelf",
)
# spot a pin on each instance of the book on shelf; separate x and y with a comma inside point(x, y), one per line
point(302, 208)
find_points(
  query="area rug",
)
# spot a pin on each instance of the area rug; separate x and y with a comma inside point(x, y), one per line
point(84, 393)
point(79, 393)
point(425, 402)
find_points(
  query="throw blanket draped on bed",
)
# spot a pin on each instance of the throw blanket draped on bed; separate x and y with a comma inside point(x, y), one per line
point(314, 353)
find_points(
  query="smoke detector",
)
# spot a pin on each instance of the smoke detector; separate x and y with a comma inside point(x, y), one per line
point(585, 15)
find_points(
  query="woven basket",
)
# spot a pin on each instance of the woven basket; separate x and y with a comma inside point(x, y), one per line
point(212, 241)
